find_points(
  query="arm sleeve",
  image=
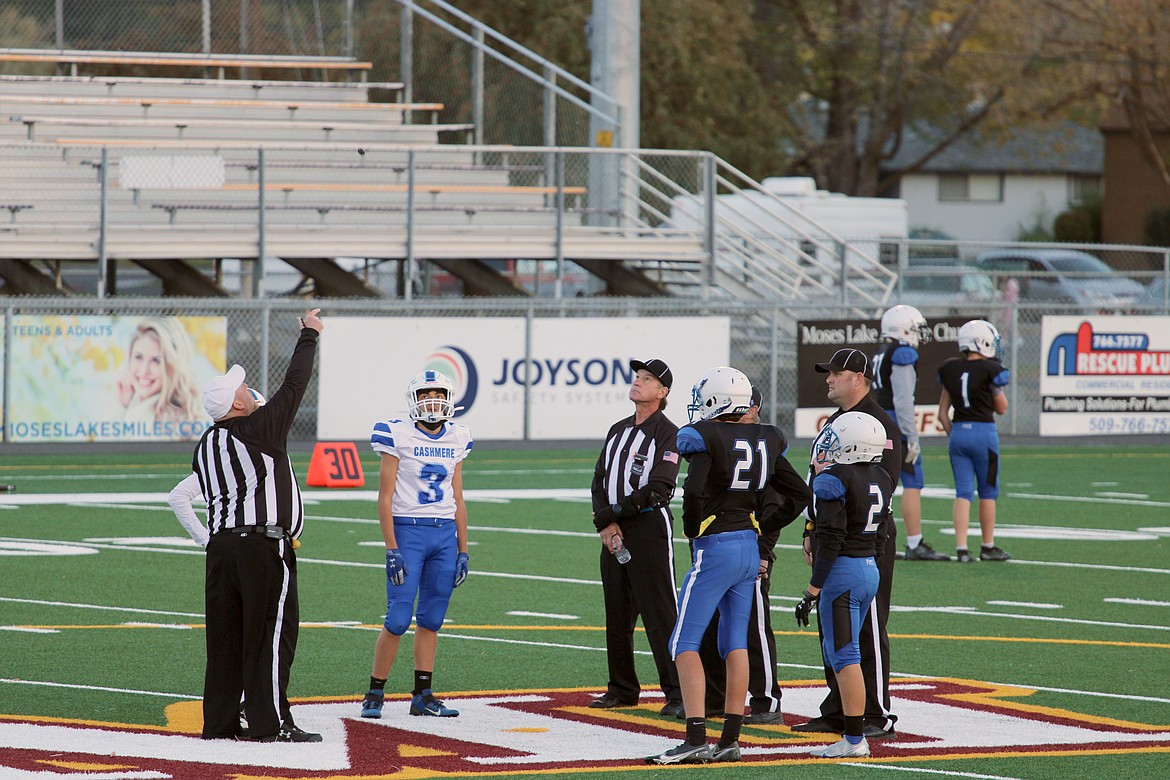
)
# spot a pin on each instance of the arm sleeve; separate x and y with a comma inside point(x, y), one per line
point(269, 425)
point(181, 498)
point(832, 519)
point(793, 492)
point(903, 379)
point(694, 497)
point(597, 488)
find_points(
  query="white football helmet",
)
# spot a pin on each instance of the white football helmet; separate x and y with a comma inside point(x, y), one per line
point(854, 437)
point(431, 410)
point(722, 390)
point(982, 337)
point(905, 323)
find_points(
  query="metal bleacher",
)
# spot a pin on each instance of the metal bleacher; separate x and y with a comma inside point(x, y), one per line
point(163, 171)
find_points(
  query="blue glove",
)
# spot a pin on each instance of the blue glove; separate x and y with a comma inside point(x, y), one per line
point(395, 567)
point(461, 561)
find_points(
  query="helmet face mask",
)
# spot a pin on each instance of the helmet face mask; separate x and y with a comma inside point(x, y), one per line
point(854, 437)
point(982, 337)
point(905, 323)
point(430, 409)
point(721, 390)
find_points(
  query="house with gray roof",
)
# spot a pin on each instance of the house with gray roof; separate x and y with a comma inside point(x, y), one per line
point(995, 188)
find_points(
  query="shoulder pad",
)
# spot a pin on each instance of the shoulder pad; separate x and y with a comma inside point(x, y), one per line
point(827, 487)
point(904, 355)
point(690, 441)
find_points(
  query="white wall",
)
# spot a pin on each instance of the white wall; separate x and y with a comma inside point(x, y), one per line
point(1024, 198)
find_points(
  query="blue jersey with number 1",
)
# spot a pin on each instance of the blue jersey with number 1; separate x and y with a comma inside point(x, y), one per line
point(426, 465)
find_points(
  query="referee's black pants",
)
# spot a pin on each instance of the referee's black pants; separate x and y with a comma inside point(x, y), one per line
point(875, 655)
point(645, 586)
point(253, 616)
point(763, 687)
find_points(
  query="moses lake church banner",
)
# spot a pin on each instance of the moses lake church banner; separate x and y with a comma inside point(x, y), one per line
point(110, 378)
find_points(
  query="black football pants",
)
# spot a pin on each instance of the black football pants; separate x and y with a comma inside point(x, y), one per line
point(252, 621)
point(645, 586)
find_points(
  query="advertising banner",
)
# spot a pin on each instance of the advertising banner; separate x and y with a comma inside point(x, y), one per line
point(1103, 375)
point(578, 377)
point(817, 340)
point(111, 378)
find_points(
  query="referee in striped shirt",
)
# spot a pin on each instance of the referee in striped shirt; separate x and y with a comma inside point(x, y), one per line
point(254, 516)
point(633, 481)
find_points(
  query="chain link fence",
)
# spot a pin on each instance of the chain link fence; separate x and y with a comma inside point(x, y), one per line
point(261, 334)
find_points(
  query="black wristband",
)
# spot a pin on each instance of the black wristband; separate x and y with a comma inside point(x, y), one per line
point(808, 595)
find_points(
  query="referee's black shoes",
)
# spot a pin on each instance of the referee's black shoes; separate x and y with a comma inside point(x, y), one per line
point(820, 725)
point(289, 732)
point(608, 701)
point(674, 708)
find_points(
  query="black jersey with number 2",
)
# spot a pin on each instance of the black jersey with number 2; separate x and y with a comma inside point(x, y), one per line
point(970, 383)
point(851, 502)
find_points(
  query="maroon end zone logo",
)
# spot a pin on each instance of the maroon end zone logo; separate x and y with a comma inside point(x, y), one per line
point(541, 730)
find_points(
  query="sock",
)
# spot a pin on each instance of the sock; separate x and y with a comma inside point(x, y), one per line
point(854, 728)
point(422, 680)
point(913, 541)
point(377, 683)
point(960, 551)
point(731, 726)
point(696, 731)
point(989, 546)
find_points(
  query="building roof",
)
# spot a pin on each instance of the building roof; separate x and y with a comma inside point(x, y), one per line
point(1068, 148)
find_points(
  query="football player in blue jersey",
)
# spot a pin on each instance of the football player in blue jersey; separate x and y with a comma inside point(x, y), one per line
point(731, 463)
point(424, 525)
point(895, 376)
point(852, 495)
point(973, 387)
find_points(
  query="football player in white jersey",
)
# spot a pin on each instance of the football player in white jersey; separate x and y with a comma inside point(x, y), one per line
point(424, 524)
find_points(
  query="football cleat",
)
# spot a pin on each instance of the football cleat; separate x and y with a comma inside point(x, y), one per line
point(924, 552)
point(372, 704)
point(686, 753)
point(290, 732)
point(425, 703)
point(727, 754)
point(993, 553)
point(842, 748)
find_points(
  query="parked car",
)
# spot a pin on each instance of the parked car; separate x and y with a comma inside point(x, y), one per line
point(1153, 298)
point(946, 286)
point(1064, 276)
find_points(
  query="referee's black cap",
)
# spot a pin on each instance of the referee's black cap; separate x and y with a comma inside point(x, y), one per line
point(847, 360)
point(656, 367)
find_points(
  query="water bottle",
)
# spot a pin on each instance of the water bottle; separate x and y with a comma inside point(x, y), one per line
point(621, 553)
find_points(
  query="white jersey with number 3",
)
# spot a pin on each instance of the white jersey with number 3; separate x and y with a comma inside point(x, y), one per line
point(426, 465)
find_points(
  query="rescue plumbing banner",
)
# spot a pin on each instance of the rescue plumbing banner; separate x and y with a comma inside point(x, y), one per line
point(571, 376)
point(1104, 375)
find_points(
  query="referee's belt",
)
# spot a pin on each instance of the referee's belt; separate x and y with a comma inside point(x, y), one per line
point(428, 521)
point(269, 531)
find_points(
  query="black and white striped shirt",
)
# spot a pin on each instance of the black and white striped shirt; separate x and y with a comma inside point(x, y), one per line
point(242, 463)
point(638, 466)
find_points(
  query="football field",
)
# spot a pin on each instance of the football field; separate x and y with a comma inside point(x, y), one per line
point(1055, 664)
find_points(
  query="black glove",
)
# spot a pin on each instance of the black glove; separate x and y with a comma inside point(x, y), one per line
point(805, 608)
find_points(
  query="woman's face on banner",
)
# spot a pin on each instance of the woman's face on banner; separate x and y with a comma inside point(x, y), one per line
point(146, 366)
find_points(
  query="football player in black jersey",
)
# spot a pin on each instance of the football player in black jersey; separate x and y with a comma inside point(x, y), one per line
point(973, 386)
point(730, 464)
point(852, 495)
